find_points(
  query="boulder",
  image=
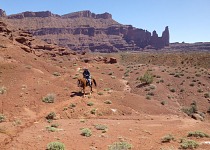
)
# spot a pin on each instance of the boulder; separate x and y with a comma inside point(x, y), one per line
point(112, 60)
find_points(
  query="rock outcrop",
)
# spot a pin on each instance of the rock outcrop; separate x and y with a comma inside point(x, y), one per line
point(87, 31)
point(87, 14)
point(2, 13)
point(41, 14)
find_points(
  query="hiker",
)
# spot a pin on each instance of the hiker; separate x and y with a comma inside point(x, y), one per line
point(86, 75)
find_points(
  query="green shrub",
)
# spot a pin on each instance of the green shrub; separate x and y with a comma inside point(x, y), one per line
point(162, 81)
point(72, 105)
point(148, 97)
point(190, 110)
point(56, 74)
point(199, 90)
point(167, 138)
point(51, 116)
point(147, 78)
point(197, 75)
point(150, 94)
point(51, 129)
point(2, 118)
point(2, 90)
point(192, 84)
point(207, 95)
point(90, 103)
point(86, 132)
point(188, 144)
point(163, 102)
point(152, 87)
point(108, 102)
point(107, 89)
point(50, 98)
point(55, 146)
point(100, 93)
point(111, 73)
point(120, 146)
point(181, 90)
point(198, 134)
point(100, 127)
point(172, 90)
point(93, 111)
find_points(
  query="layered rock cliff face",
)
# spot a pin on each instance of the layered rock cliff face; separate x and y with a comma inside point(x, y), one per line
point(87, 31)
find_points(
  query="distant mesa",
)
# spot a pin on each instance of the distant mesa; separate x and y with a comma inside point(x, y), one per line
point(87, 31)
point(87, 14)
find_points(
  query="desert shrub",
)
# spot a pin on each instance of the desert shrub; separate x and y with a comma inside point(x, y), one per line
point(172, 73)
point(72, 105)
point(82, 120)
point(197, 75)
point(55, 125)
point(163, 102)
point(100, 93)
point(188, 144)
point(172, 90)
point(50, 98)
point(111, 73)
point(126, 74)
point(56, 74)
point(107, 89)
point(2, 118)
point(55, 146)
point(147, 89)
point(108, 102)
point(177, 75)
point(152, 87)
point(100, 127)
point(148, 97)
point(51, 129)
point(162, 81)
point(199, 90)
point(207, 95)
point(190, 110)
point(167, 138)
point(198, 134)
point(86, 132)
point(158, 76)
point(150, 94)
point(181, 90)
point(2, 90)
point(65, 108)
point(93, 111)
point(90, 103)
point(51, 116)
point(120, 146)
point(147, 78)
point(192, 84)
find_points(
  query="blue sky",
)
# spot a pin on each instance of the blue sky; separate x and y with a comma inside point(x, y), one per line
point(188, 20)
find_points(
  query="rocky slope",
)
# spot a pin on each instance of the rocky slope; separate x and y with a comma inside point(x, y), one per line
point(85, 30)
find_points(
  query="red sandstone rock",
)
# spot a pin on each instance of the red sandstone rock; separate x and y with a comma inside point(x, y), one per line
point(86, 31)
point(112, 60)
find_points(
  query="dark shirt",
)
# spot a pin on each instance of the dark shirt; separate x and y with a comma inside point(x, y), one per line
point(86, 74)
